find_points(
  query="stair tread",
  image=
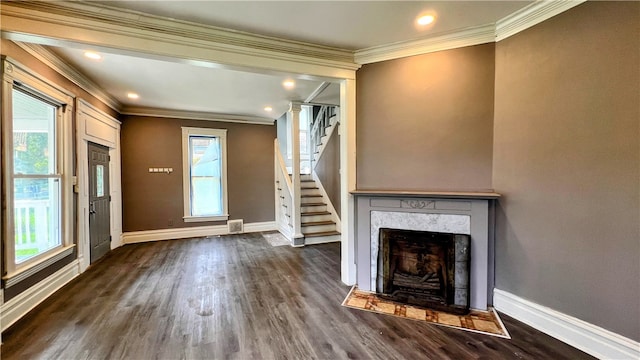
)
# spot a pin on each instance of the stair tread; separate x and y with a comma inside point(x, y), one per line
point(314, 213)
point(314, 223)
point(311, 195)
point(321, 233)
point(314, 204)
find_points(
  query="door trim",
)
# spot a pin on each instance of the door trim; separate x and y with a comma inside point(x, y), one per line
point(95, 126)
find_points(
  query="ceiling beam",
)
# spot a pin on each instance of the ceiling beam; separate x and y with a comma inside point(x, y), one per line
point(132, 33)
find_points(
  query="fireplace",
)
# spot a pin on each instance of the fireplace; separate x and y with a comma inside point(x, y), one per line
point(445, 212)
point(425, 268)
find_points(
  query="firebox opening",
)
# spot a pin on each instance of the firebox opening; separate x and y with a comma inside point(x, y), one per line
point(425, 268)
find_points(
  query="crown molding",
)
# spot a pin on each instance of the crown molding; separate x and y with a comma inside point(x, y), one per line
point(467, 37)
point(161, 36)
point(127, 30)
point(53, 61)
point(512, 24)
point(195, 115)
point(531, 15)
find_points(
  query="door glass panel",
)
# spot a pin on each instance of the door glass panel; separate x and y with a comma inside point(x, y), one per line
point(36, 216)
point(99, 180)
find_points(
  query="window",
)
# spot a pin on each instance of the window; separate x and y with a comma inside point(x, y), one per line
point(36, 177)
point(204, 157)
point(36, 136)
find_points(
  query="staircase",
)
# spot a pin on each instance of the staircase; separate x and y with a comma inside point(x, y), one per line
point(304, 213)
point(318, 224)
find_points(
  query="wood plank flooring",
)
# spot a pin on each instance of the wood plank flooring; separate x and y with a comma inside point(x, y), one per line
point(237, 297)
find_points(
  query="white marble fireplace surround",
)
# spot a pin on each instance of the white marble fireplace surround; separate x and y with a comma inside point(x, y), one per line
point(468, 213)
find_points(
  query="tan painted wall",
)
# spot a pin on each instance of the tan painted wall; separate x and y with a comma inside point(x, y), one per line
point(425, 122)
point(567, 160)
point(152, 200)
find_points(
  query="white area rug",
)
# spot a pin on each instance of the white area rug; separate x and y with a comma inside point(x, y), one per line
point(275, 239)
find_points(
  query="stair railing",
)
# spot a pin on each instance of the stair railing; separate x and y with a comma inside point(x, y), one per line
point(319, 129)
point(318, 126)
point(284, 194)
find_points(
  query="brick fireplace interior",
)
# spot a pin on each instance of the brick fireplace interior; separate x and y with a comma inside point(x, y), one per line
point(425, 268)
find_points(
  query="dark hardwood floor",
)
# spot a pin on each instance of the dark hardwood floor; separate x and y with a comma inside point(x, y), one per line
point(238, 297)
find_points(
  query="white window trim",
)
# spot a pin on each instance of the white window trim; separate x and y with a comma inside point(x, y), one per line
point(186, 181)
point(13, 72)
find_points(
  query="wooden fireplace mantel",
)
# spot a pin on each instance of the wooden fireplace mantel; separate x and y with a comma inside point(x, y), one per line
point(489, 195)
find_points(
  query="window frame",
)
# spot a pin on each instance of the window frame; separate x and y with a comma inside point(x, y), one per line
point(186, 175)
point(15, 75)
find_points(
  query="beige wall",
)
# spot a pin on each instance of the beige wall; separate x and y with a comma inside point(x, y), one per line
point(425, 122)
point(154, 200)
point(566, 159)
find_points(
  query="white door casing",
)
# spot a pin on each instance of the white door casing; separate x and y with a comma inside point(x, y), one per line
point(96, 126)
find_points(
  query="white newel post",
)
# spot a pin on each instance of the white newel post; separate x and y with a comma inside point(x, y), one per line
point(293, 117)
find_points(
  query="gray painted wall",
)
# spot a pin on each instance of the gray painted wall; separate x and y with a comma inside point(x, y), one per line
point(328, 170)
point(567, 160)
point(153, 200)
point(426, 122)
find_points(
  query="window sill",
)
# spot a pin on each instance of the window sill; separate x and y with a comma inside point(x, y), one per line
point(224, 217)
point(20, 274)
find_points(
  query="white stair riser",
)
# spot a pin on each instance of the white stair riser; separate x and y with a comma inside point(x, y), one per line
point(310, 191)
point(318, 228)
point(304, 177)
point(314, 208)
point(314, 218)
point(321, 239)
point(306, 200)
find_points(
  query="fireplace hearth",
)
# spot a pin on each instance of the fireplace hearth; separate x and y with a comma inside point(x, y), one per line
point(425, 268)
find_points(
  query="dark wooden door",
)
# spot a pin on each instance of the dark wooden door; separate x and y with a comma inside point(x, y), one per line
point(99, 219)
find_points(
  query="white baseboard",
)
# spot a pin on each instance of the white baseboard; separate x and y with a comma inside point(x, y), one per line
point(14, 309)
point(580, 334)
point(260, 226)
point(198, 231)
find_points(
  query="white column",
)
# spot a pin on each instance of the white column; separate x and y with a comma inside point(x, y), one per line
point(293, 117)
point(311, 148)
point(347, 130)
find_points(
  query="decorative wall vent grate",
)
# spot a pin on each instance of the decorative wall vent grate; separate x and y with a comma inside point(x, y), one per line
point(235, 226)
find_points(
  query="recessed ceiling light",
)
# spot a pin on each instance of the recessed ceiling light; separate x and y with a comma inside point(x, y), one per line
point(289, 84)
point(92, 55)
point(133, 95)
point(268, 108)
point(425, 20)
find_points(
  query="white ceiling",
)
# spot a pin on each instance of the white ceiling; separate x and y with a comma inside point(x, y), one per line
point(172, 85)
point(352, 25)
